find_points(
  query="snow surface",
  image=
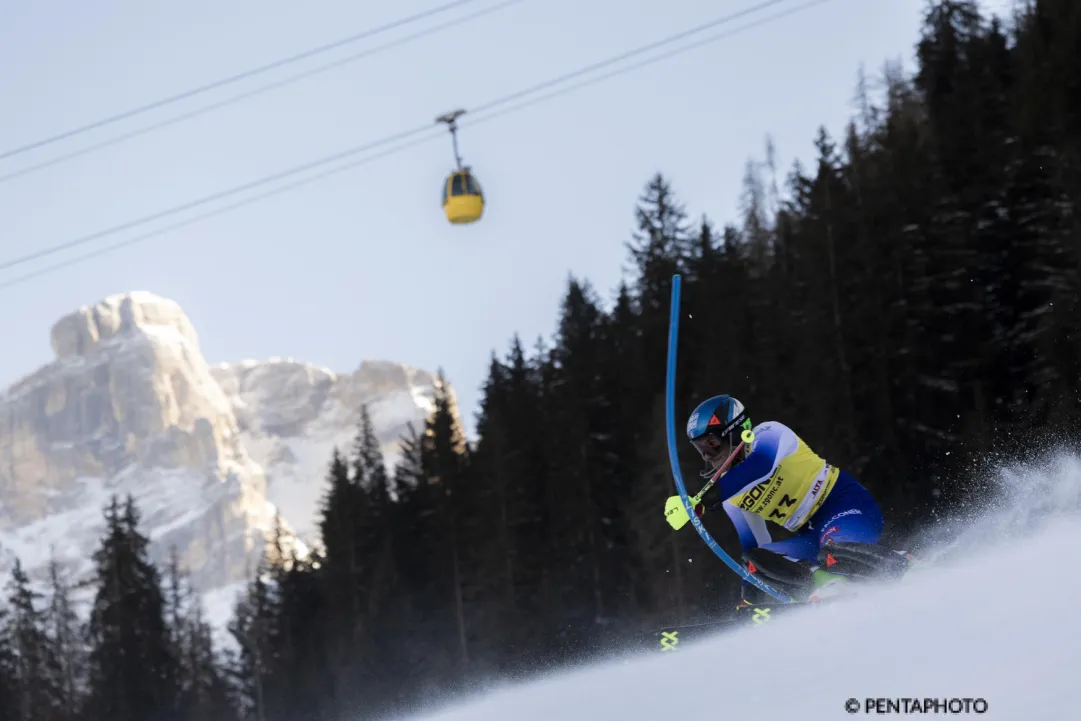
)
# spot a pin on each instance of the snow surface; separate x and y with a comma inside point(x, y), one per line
point(218, 606)
point(994, 618)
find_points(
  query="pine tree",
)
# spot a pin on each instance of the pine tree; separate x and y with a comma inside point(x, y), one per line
point(357, 570)
point(892, 172)
point(432, 644)
point(202, 691)
point(660, 244)
point(133, 673)
point(37, 668)
point(588, 547)
point(1047, 107)
point(443, 456)
point(345, 516)
point(414, 653)
point(344, 509)
point(303, 685)
point(1048, 89)
point(208, 694)
point(526, 422)
point(254, 627)
point(177, 599)
point(66, 638)
point(659, 249)
point(620, 384)
point(11, 706)
point(376, 543)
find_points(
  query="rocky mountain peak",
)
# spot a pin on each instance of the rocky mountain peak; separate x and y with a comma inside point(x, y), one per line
point(210, 453)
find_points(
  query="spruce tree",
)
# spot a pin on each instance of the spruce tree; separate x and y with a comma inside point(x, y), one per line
point(303, 685)
point(415, 652)
point(374, 539)
point(490, 556)
point(133, 672)
point(518, 445)
point(66, 636)
point(444, 459)
point(357, 570)
point(343, 572)
point(254, 628)
point(209, 695)
point(37, 668)
point(11, 703)
point(202, 691)
point(588, 539)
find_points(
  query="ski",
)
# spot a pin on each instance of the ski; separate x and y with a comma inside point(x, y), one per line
point(669, 637)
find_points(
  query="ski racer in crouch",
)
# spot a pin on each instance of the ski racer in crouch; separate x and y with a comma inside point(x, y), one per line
point(772, 475)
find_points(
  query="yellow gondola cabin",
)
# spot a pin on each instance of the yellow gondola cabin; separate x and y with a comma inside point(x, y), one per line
point(463, 200)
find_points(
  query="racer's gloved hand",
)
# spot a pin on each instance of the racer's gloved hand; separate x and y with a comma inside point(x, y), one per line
point(712, 499)
point(676, 513)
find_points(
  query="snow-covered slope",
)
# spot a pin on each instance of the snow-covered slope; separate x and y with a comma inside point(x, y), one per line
point(995, 619)
point(209, 454)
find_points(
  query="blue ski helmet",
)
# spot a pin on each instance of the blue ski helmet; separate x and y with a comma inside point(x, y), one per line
point(715, 428)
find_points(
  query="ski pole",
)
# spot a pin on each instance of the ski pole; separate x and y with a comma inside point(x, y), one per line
point(674, 512)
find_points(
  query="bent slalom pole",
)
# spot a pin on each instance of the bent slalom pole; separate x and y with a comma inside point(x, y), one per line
point(673, 455)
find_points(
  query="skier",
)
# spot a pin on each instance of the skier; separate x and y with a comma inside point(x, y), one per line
point(767, 473)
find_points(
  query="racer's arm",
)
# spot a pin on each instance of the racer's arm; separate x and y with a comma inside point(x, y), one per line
point(752, 529)
point(766, 454)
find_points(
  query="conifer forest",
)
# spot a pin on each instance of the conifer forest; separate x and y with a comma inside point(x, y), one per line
point(908, 303)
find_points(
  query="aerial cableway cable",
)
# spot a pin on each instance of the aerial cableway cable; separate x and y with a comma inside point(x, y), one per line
point(425, 133)
point(222, 82)
point(267, 87)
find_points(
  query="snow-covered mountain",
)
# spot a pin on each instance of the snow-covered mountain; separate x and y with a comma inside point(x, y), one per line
point(130, 405)
point(291, 415)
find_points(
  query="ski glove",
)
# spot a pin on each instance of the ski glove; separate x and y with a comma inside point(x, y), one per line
point(711, 499)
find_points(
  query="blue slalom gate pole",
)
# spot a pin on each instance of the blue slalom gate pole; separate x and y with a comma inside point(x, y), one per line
point(673, 455)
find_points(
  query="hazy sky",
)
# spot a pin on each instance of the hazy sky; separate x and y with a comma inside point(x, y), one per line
point(363, 265)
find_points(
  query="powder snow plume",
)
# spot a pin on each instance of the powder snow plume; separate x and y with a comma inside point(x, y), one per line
point(994, 618)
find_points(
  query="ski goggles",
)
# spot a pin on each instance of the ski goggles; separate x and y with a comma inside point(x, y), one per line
point(715, 446)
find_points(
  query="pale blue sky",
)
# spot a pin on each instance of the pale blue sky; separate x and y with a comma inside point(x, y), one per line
point(363, 265)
